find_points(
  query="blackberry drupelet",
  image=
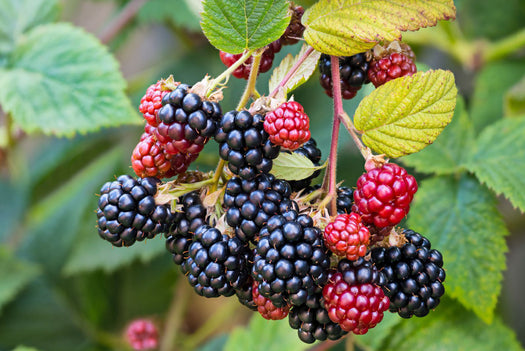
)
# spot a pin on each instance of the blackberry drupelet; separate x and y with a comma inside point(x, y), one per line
point(353, 73)
point(186, 121)
point(291, 260)
point(353, 296)
point(313, 153)
point(216, 263)
point(127, 211)
point(245, 144)
point(414, 275)
point(191, 217)
point(312, 321)
point(250, 203)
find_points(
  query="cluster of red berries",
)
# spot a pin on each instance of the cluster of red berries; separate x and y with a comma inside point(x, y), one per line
point(275, 248)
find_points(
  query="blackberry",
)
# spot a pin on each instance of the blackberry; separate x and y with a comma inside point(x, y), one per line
point(295, 28)
point(245, 144)
point(345, 198)
point(291, 260)
point(142, 334)
point(353, 71)
point(313, 153)
point(244, 294)
point(312, 321)
point(414, 275)
point(186, 121)
point(127, 211)
point(191, 217)
point(243, 71)
point(251, 203)
point(346, 235)
point(353, 297)
point(266, 308)
point(216, 263)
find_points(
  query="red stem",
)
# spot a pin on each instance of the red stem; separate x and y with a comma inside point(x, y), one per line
point(332, 158)
point(292, 71)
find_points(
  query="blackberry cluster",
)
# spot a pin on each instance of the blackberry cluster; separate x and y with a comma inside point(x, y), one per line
point(353, 71)
point(414, 275)
point(187, 221)
point(353, 296)
point(313, 153)
point(312, 321)
point(216, 263)
point(250, 203)
point(186, 122)
point(291, 260)
point(245, 144)
point(127, 211)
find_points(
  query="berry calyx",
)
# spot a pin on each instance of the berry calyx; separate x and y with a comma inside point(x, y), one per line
point(288, 126)
point(266, 308)
point(353, 298)
point(383, 195)
point(347, 236)
point(142, 334)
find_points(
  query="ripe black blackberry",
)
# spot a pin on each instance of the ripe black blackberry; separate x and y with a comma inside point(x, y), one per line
point(216, 263)
point(244, 294)
point(345, 198)
point(191, 216)
point(127, 211)
point(313, 153)
point(414, 275)
point(312, 322)
point(291, 260)
point(353, 71)
point(245, 144)
point(250, 203)
point(186, 121)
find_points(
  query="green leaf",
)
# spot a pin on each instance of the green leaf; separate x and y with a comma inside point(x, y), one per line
point(406, 114)
point(24, 348)
point(451, 327)
point(492, 83)
point(265, 335)
point(303, 73)
point(14, 275)
point(74, 83)
point(293, 166)
point(451, 148)
point(19, 16)
point(377, 336)
point(164, 10)
point(514, 104)
point(348, 27)
point(460, 218)
point(498, 159)
point(237, 25)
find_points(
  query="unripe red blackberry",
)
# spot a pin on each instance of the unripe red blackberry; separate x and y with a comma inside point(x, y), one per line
point(266, 308)
point(353, 297)
point(148, 158)
point(347, 236)
point(151, 102)
point(245, 145)
point(216, 264)
point(353, 72)
point(191, 216)
point(179, 163)
point(393, 66)
point(250, 204)
point(127, 211)
point(312, 321)
point(142, 334)
point(295, 28)
point(288, 126)
point(383, 195)
point(186, 121)
point(414, 275)
point(313, 153)
point(291, 259)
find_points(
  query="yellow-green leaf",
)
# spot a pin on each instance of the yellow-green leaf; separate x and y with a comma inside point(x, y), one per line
point(406, 114)
point(347, 27)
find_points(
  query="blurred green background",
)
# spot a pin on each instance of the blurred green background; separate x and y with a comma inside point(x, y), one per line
point(65, 289)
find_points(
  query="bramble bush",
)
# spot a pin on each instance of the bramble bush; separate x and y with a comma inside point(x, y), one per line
point(225, 156)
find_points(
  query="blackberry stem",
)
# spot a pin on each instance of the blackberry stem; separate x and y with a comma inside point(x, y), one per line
point(252, 79)
point(224, 76)
point(347, 122)
point(292, 71)
point(504, 47)
point(217, 175)
point(121, 20)
point(179, 305)
point(329, 180)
